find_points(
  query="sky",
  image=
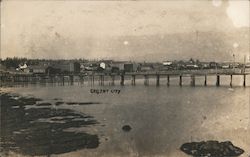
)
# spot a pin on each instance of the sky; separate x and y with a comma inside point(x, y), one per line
point(125, 30)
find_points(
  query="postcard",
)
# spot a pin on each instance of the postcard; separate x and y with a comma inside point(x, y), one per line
point(126, 78)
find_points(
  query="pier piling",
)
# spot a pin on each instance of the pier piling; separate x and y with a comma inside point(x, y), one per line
point(244, 80)
point(63, 80)
point(101, 80)
point(51, 79)
point(133, 80)
point(122, 80)
point(180, 82)
point(89, 80)
point(192, 83)
point(231, 80)
point(93, 80)
point(168, 80)
point(157, 80)
point(81, 80)
point(71, 77)
point(146, 81)
point(205, 82)
point(112, 80)
point(217, 80)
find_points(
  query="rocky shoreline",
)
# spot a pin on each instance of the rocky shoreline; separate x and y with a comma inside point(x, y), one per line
point(42, 131)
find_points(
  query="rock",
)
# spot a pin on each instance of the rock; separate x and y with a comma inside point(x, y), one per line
point(126, 128)
point(211, 149)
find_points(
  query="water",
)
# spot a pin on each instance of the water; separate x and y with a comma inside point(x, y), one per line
point(162, 118)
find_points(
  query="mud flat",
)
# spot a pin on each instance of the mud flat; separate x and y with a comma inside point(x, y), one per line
point(41, 131)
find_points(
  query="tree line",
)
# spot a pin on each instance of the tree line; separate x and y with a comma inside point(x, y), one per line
point(16, 61)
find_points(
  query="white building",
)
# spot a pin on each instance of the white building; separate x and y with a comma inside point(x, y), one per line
point(103, 65)
point(167, 63)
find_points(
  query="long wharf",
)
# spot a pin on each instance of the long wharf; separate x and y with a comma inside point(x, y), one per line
point(111, 77)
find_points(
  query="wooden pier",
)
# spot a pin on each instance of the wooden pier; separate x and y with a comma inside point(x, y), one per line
point(100, 77)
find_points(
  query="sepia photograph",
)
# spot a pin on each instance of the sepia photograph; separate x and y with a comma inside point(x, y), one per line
point(124, 78)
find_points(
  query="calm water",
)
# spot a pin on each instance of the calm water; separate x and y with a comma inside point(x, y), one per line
point(162, 118)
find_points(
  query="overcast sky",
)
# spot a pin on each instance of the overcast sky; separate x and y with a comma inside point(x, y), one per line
point(125, 30)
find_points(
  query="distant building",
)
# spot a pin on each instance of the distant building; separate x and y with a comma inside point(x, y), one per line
point(205, 65)
point(192, 66)
point(75, 67)
point(247, 65)
point(115, 70)
point(72, 67)
point(52, 70)
point(146, 67)
point(26, 70)
point(2, 67)
point(103, 65)
point(89, 66)
point(23, 67)
point(167, 63)
point(37, 69)
point(135, 67)
point(213, 65)
point(128, 67)
point(118, 65)
point(225, 65)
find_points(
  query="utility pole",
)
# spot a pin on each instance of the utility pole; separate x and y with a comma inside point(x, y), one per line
point(233, 62)
point(235, 46)
point(244, 65)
